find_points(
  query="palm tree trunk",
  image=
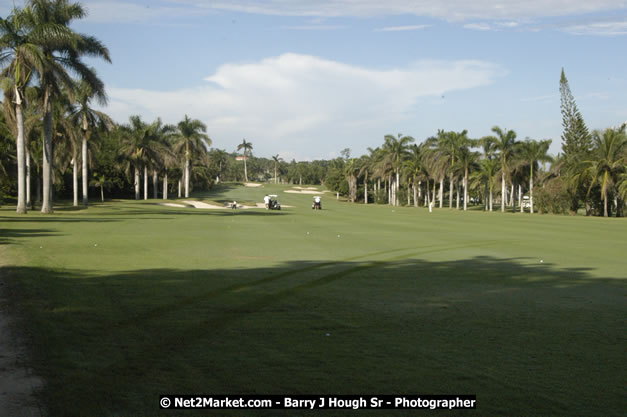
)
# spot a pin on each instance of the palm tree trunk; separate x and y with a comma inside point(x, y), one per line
point(180, 186)
point(46, 204)
point(503, 196)
point(155, 183)
point(433, 199)
point(531, 190)
point(145, 182)
point(441, 191)
point(101, 192)
point(136, 183)
point(29, 203)
point(245, 170)
point(275, 178)
point(512, 201)
point(75, 180)
point(38, 200)
point(491, 206)
point(408, 194)
point(466, 189)
point(415, 194)
point(165, 185)
point(450, 192)
point(522, 210)
point(85, 175)
point(366, 188)
point(457, 192)
point(605, 202)
point(187, 174)
point(21, 160)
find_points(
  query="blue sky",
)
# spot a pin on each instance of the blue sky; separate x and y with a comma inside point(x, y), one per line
point(305, 79)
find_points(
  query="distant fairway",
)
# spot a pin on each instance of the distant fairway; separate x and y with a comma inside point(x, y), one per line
point(128, 300)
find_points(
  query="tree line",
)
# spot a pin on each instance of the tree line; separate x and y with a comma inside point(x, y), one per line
point(51, 135)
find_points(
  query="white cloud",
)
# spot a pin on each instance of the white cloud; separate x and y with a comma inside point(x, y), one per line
point(303, 104)
point(612, 28)
point(402, 28)
point(128, 12)
point(478, 26)
point(448, 10)
point(509, 11)
point(315, 27)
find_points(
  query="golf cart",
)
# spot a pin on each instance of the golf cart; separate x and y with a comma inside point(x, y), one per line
point(274, 202)
point(317, 203)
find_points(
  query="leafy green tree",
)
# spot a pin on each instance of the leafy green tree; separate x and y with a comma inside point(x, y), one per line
point(62, 49)
point(89, 120)
point(397, 150)
point(608, 161)
point(20, 52)
point(247, 147)
point(191, 137)
point(532, 152)
point(576, 139)
point(505, 143)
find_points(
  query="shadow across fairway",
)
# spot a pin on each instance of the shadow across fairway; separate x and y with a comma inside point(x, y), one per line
point(9, 236)
point(527, 337)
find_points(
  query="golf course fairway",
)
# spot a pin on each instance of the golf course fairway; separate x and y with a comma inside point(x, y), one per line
point(127, 300)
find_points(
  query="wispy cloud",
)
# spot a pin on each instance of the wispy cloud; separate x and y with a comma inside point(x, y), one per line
point(402, 28)
point(314, 27)
point(477, 26)
point(290, 101)
point(611, 28)
point(451, 10)
point(547, 97)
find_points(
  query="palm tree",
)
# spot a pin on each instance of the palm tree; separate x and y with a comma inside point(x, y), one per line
point(88, 119)
point(100, 180)
point(247, 147)
point(505, 143)
point(141, 148)
point(277, 160)
point(397, 150)
point(466, 160)
point(19, 48)
point(62, 49)
point(220, 158)
point(532, 152)
point(190, 137)
point(609, 161)
point(487, 174)
point(450, 143)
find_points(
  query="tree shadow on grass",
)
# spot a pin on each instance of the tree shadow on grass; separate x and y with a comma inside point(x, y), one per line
point(8, 236)
point(527, 338)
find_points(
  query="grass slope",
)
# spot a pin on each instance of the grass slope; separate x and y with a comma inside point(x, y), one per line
point(128, 300)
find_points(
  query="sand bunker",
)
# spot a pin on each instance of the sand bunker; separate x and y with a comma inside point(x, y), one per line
point(304, 192)
point(252, 184)
point(306, 188)
point(172, 205)
point(201, 205)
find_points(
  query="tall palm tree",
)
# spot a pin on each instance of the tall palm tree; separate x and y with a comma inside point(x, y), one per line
point(220, 158)
point(487, 173)
point(247, 147)
point(88, 119)
point(189, 138)
point(466, 160)
point(20, 52)
point(609, 161)
point(505, 143)
point(450, 143)
point(62, 49)
point(532, 152)
point(397, 150)
point(277, 160)
point(140, 147)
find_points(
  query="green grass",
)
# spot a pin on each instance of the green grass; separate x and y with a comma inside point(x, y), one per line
point(189, 301)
